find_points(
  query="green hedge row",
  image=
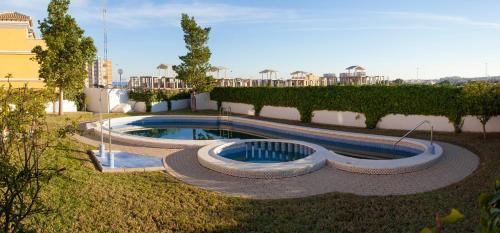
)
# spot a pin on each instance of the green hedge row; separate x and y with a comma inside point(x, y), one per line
point(373, 101)
point(152, 96)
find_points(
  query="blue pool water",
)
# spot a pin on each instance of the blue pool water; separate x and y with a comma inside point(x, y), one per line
point(192, 133)
point(214, 129)
point(265, 152)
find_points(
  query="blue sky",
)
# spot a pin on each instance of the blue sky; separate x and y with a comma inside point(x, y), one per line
point(391, 38)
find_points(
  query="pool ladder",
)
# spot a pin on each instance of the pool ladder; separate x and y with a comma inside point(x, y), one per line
point(225, 112)
point(409, 132)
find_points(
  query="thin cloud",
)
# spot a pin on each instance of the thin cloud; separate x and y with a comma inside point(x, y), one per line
point(459, 20)
point(149, 14)
point(368, 28)
point(134, 14)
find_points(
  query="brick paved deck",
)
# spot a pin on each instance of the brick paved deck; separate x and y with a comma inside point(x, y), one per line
point(455, 164)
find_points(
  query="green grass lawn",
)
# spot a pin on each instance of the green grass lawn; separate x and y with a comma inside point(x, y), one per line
point(85, 200)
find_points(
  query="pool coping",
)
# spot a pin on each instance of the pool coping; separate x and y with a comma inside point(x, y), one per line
point(208, 156)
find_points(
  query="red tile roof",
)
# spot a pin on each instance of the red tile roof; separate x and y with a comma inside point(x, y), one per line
point(14, 16)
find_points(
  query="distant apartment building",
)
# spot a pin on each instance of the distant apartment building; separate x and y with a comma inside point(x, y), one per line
point(155, 82)
point(100, 73)
point(297, 79)
point(356, 75)
point(17, 39)
point(329, 79)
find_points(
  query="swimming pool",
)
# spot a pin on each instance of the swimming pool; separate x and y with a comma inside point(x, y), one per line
point(356, 152)
point(266, 152)
point(202, 129)
point(189, 132)
point(263, 158)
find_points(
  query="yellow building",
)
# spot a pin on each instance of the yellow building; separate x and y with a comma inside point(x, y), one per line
point(17, 39)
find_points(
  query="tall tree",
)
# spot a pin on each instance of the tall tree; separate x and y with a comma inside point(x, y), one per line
point(195, 64)
point(62, 64)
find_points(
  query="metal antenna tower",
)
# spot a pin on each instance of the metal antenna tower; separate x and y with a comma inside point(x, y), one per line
point(105, 30)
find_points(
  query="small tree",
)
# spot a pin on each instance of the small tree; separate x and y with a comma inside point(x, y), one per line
point(23, 141)
point(62, 64)
point(195, 64)
point(483, 100)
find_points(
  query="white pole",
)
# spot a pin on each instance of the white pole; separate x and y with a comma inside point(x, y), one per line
point(102, 147)
point(111, 156)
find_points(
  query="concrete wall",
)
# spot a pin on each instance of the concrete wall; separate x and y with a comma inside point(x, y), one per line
point(472, 124)
point(285, 113)
point(68, 106)
point(180, 104)
point(139, 107)
point(93, 96)
point(399, 121)
point(353, 119)
point(159, 106)
point(203, 102)
point(246, 109)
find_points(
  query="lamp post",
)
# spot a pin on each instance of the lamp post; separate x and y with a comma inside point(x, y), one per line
point(120, 72)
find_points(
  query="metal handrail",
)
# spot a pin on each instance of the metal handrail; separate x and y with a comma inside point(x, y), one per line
point(225, 111)
point(409, 132)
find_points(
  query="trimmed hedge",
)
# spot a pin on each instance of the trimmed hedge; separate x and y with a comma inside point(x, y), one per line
point(151, 96)
point(375, 101)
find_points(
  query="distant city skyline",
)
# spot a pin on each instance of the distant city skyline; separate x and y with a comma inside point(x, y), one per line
point(390, 38)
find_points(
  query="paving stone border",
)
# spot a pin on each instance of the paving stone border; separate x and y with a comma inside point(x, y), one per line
point(455, 164)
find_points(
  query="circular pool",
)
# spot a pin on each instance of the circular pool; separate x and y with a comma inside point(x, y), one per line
point(263, 158)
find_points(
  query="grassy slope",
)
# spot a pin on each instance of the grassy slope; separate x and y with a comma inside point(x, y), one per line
point(86, 200)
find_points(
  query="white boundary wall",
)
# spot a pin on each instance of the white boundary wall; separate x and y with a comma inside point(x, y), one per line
point(285, 113)
point(68, 106)
point(180, 104)
point(391, 121)
point(245, 109)
point(399, 121)
point(472, 124)
point(92, 95)
point(353, 119)
point(203, 102)
point(161, 106)
point(120, 96)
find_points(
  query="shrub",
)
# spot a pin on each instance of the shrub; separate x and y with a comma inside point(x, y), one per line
point(483, 101)
point(24, 140)
point(152, 96)
point(489, 220)
point(374, 101)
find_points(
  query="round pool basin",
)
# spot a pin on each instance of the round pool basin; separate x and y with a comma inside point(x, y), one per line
point(266, 158)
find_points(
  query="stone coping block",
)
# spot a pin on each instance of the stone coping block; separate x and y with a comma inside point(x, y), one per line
point(209, 157)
